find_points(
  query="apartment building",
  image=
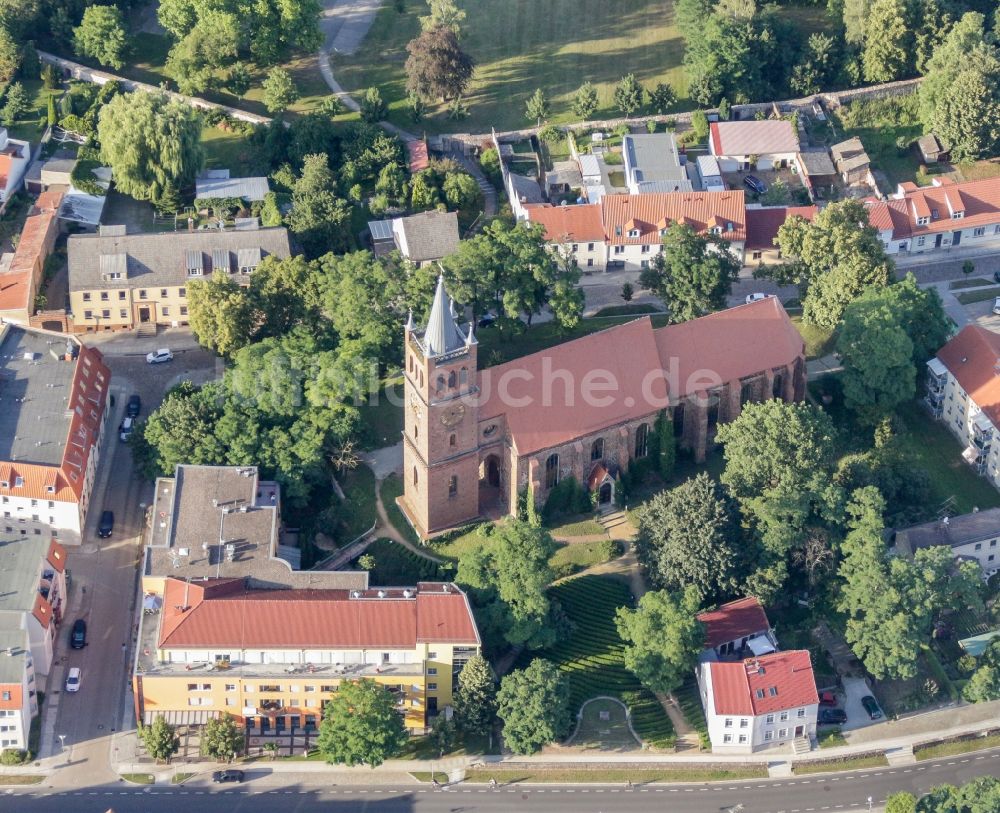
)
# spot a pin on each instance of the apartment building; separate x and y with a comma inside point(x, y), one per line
point(576, 231)
point(32, 596)
point(55, 393)
point(971, 537)
point(120, 281)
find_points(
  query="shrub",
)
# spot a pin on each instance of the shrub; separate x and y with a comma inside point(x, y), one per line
point(13, 756)
point(566, 497)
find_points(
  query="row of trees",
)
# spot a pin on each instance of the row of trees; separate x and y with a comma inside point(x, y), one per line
point(976, 796)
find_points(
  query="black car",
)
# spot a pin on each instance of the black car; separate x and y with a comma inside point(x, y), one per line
point(227, 776)
point(487, 320)
point(996, 276)
point(78, 635)
point(832, 716)
point(754, 184)
point(871, 706)
point(134, 406)
point(106, 525)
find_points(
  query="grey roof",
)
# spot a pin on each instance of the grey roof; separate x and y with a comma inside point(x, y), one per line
point(929, 144)
point(653, 158)
point(817, 162)
point(163, 259)
point(79, 207)
point(526, 189)
point(245, 188)
point(564, 172)
point(380, 229)
point(957, 531)
point(201, 509)
point(442, 334)
point(35, 385)
point(21, 563)
point(850, 155)
point(430, 235)
point(13, 654)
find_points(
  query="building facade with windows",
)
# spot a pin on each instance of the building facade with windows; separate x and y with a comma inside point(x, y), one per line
point(971, 537)
point(475, 440)
point(272, 657)
point(56, 394)
point(120, 281)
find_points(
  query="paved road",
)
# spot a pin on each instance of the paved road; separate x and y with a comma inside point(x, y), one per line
point(104, 583)
point(832, 792)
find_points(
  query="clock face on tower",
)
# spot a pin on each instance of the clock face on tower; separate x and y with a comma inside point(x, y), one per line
point(453, 415)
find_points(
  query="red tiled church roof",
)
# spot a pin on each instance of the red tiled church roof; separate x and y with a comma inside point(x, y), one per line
point(733, 621)
point(774, 682)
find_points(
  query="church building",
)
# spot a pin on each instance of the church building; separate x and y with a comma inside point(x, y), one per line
point(474, 440)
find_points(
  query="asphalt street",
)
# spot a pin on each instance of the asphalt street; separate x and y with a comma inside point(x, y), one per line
point(268, 792)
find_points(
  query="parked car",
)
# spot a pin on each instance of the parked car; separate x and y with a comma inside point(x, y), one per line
point(832, 716)
point(134, 406)
point(871, 706)
point(996, 276)
point(78, 635)
point(106, 524)
point(230, 775)
point(487, 320)
point(827, 699)
point(755, 297)
point(160, 356)
point(754, 184)
point(125, 430)
point(73, 680)
point(996, 305)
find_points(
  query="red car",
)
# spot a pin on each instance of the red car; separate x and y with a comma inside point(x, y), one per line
point(827, 699)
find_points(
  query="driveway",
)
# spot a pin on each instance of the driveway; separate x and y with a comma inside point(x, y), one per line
point(854, 689)
point(345, 23)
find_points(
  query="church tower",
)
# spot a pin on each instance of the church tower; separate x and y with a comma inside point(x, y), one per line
point(440, 425)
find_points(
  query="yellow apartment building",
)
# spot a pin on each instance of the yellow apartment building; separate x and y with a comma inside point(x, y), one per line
point(121, 281)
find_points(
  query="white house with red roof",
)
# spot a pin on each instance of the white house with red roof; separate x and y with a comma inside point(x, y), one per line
point(744, 145)
point(946, 214)
point(763, 223)
point(754, 696)
point(15, 156)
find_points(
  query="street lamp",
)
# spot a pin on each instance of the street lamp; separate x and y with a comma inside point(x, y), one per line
point(869, 802)
point(62, 743)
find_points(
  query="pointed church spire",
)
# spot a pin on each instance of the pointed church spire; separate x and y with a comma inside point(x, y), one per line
point(471, 338)
point(410, 326)
point(442, 335)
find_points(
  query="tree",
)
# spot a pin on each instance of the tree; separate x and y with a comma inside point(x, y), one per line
point(585, 102)
point(444, 735)
point(285, 294)
point(663, 637)
point(662, 97)
point(888, 42)
point(149, 141)
point(968, 114)
point(270, 212)
point(207, 47)
point(361, 725)
point(533, 705)
point(444, 14)
point(437, 67)
point(855, 13)
point(818, 67)
point(159, 739)
point(475, 697)
point(15, 103)
point(699, 123)
point(629, 95)
point(221, 739)
point(10, 56)
point(101, 35)
point(693, 274)
point(834, 259)
point(372, 107)
point(51, 117)
point(537, 107)
point(919, 312)
point(460, 190)
point(317, 216)
point(879, 373)
point(279, 90)
point(220, 313)
point(688, 536)
point(508, 581)
point(181, 430)
point(901, 802)
point(238, 80)
point(947, 60)
point(627, 293)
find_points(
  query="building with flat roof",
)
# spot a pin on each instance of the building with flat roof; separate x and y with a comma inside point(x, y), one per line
point(654, 164)
point(55, 393)
point(119, 281)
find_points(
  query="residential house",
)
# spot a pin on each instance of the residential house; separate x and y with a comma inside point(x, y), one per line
point(760, 702)
point(534, 421)
point(745, 145)
point(852, 162)
point(737, 629)
point(120, 281)
point(426, 237)
point(573, 230)
point(963, 391)
point(710, 173)
point(15, 156)
point(19, 283)
point(32, 602)
point(634, 225)
point(216, 184)
point(763, 223)
point(972, 537)
point(55, 393)
point(653, 163)
point(919, 219)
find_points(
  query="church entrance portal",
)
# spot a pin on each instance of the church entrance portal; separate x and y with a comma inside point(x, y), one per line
point(606, 494)
point(490, 487)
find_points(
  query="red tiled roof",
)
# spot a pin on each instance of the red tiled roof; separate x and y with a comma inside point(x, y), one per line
point(42, 611)
point(774, 682)
point(57, 556)
point(973, 357)
point(21, 278)
point(16, 698)
point(763, 224)
point(651, 211)
point(542, 395)
point(753, 137)
point(733, 621)
point(416, 152)
point(5, 164)
point(979, 201)
point(223, 613)
point(578, 223)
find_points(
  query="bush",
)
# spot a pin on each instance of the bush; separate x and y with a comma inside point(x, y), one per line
point(13, 756)
point(566, 497)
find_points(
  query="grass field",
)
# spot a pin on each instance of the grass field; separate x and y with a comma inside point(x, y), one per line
point(395, 566)
point(637, 776)
point(971, 297)
point(230, 151)
point(21, 779)
point(879, 123)
point(972, 282)
point(835, 765)
point(962, 746)
point(690, 704)
point(603, 726)
point(819, 341)
point(359, 508)
point(391, 488)
point(576, 556)
point(592, 657)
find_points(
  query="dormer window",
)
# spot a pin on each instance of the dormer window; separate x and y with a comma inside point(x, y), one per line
point(618, 231)
point(957, 215)
point(18, 482)
point(50, 489)
point(4, 484)
point(633, 232)
point(923, 221)
point(195, 266)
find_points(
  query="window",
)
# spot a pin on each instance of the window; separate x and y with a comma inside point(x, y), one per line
point(783, 716)
point(105, 314)
point(590, 263)
point(414, 475)
point(142, 293)
point(86, 296)
point(104, 296)
point(230, 687)
point(432, 670)
point(328, 688)
point(642, 440)
point(432, 687)
point(645, 249)
point(744, 722)
point(463, 376)
point(122, 313)
point(597, 449)
point(432, 656)
point(182, 292)
point(979, 546)
point(34, 503)
point(979, 232)
point(769, 720)
point(230, 701)
point(760, 694)
point(729, 722)
point(574, 248)
point(88, 314)
point(768, 736)
point(757, 255)
point(184, 310)
point(800, 713)
point(452, 379)
point(921, 241)
point(773, 691)
point(619, 249)
point(782, 733)
point(121, 295)
point(451, 440)
point(439, 386)
point(644, 263)
point(166, 311)
point(453, 486)
point(727, 738)
point(552, 471)
point(633, 232)
point(18, 482)
point(6, 696)
point(590, 246)
point(743, 738)
point(163, 293)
